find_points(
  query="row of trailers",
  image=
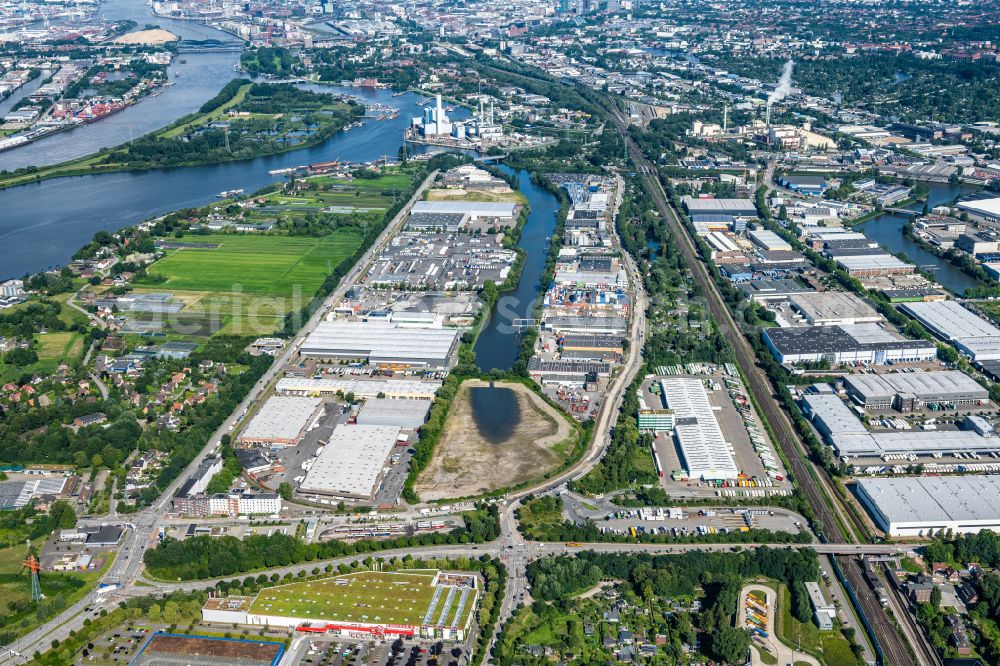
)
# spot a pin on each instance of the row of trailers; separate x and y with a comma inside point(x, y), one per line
point(755, 616)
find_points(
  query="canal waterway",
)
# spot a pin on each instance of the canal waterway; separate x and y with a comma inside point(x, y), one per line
point(43, 224)
point(499, 343)
point(495, 411)
point(887, 230)
point(192, 83)
point(22, 92)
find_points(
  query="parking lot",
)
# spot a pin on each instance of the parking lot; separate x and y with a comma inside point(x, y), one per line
point(702, 521)
point(348, 652)
point(741, 428)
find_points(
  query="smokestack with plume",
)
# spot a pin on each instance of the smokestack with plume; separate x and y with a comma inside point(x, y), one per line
point(782, 89)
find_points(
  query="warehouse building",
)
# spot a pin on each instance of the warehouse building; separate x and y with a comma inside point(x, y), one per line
point(382, 344)
point(762, 291)
point(868, 343)
point(874, 265)
point(831, 416)
point(984, 209)
point(833, 308)
point(704, 450)
point(352, 462)
point(807, 185)
point(924, 505)
point(450, 222)
point(405, 389)
point(587, 325)
point(406, 414)
point(578, 346)
point(503, 210)
point(910, 391)
point(952, 322)
point(282, 421)
point(736, 208)
point(768, 240)
point(844, 431)
point(567, 373)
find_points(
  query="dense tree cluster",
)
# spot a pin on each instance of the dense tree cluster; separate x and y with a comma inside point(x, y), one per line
point(719, 575)
point(207, 557)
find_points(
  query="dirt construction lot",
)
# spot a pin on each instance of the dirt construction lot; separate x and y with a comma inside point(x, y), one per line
point(466, 463)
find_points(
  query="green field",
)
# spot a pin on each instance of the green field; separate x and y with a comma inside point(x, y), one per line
point(246, 284)
point(254, 264)
point(829, 646)
point(370, 596)
point(52, 349)
point(20, 615)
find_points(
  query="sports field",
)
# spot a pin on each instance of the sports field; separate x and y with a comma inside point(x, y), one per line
point(255, 264)
point(370, 596)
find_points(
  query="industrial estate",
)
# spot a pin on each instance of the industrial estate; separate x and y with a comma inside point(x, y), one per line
point(452, 333)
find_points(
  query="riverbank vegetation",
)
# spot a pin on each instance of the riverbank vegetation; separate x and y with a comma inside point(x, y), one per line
point(255, 119)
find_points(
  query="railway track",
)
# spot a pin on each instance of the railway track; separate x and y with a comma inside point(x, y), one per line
point(894, 650)
point(809, 480)
point(758, 383)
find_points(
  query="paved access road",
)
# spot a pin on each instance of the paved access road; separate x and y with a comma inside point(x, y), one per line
point(143, 529)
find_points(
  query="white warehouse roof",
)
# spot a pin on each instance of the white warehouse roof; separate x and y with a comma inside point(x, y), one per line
point(381, 342)
point(352, 461)
point(909, 506)
point(983, 207)
point(281, 419)
point(950, 320)
point(473, 209)
point(361, 388)
point(939, 386)
point(703, 446)
point(401, 413)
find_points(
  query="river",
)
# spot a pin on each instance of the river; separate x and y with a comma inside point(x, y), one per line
point(192, 84)
point(887, 230)
point(43, 224)
point(499, 343)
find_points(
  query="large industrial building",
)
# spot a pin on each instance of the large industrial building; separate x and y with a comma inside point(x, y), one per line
point(909, 391)
point(874, 265)
point(352, 462)
point(954, 323)
point(406, 414)
point(986, 209)
point(281, 421)
point(845, 432)
point(736, 208)
point(471, 210)
point(382, 343)
point(869, 343)
point(406, 389)
point(833, 308)
point(923, 505)
point(705, 451)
